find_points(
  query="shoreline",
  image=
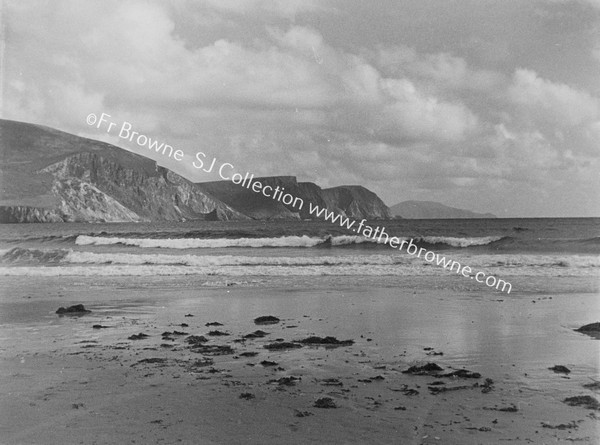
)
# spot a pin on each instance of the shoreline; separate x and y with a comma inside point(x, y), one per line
point(88, 384)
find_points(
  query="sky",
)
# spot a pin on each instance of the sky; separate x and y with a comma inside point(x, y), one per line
point(488, 105)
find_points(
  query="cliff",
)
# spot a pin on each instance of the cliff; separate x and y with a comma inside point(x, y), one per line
point(48, 175)
point(52, 176)
point(352, 201)
point(433, 210)
point(253, 204)
point(356, 201)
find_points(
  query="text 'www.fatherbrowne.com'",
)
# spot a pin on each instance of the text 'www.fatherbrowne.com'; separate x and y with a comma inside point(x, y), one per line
point(227, 171)
point(379, 235)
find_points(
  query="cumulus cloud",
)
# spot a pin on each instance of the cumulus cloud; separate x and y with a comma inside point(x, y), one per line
point(438, 70)
point(291, 99)
point(558, 103)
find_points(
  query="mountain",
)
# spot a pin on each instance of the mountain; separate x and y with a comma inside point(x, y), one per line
point(349, 200)
point(433, 210)
point(356, 201)
point(47, 175)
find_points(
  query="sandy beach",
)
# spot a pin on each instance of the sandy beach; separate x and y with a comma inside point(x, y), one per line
point(68, 382)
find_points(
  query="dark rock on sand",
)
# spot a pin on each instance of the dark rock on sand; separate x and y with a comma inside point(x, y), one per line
point(562, 426)
point(247, 396)
point(487, 386)
point(212, 349)
point(560, 369)
point(507, 409)
point(139, 336)
point(299, 413)
point(286, 381)
point(325, 341)
point(99, 326)
point(201, 363)
point(592, 327)
point(462, 373)
point(213, 323)
point(282, 345)
point(594, 386)
point(325, 402)
point(176, 333)
point(217, 333)
point(372, 379)
point(427, 369)
point(266, 319)
point(77, 309)
point(151, 360)
point(248, 354)
point(196, 339)
point(268, 363)
point(584, 401)
point(256, 334)
point(439, 389)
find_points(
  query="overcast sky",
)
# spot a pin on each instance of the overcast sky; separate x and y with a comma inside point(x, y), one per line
point(490, 105)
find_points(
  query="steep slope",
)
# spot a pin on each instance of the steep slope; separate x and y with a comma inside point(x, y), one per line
point(52, 176)
point(48, 175)
point(433, 210)
point(255, 204)
point(356, 201)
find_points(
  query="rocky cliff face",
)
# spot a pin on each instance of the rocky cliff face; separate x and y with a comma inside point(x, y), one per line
point(352, 201)
point(50, 176)
point(25, 214)
point(93, 187)
point(253, 204)
point(356, 201)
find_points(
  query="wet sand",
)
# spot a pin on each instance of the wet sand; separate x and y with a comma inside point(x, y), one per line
point(66, 382)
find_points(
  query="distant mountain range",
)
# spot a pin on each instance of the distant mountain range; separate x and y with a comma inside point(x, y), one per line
point(433, 210)
point(48, 175)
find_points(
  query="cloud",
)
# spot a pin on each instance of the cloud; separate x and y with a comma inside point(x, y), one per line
point(440, 71)
point(557, 103)
point(286, 8)
point(274, 97)
point(593, 3)
point(422, 117)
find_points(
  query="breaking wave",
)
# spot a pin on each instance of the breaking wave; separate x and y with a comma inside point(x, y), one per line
point(283, 241)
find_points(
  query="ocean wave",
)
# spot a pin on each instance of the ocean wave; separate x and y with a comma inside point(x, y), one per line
point(409, 269)
point(70, 261)
point(458, 242)
point(206, 243)
point(283, 241)
point(228, 260)
point(18, 256)
point(573, 261)
point(33, 256)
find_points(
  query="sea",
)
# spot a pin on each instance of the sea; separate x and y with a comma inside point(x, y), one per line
point(327, 281)
point(527, 251)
